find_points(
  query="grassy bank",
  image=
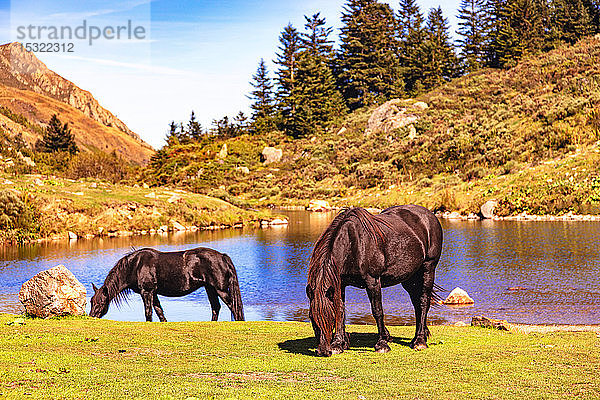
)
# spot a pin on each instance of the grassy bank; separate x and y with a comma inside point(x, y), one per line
point(54, 206)
point(87, 358)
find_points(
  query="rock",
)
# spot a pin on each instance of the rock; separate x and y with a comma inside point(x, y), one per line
point(223, 153)
point(279, 221)
point(8, 182)
point(454, 215)
point(487, 209)
point(150, 195)
point(458, 297)
point(38, 182)
point(177, 226)
point(145, 185)
point(174, 199)
point(163, 229)
point(72, 236)
point(485, 322)
point(243, 170)
point(394, 114)
point(342, 130)
point(53, 292)
point(93, 185)
point(472, 216)
point(271, 155)
point(318, 205)
point(28, 161)
point(460, 324)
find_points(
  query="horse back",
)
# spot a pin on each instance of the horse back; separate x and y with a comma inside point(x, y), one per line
point(417, 223)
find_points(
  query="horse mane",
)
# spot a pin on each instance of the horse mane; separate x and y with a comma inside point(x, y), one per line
point(322, 253)
point(114, 278)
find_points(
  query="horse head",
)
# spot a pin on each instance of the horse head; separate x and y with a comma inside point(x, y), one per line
point(325, 301)
point(99, 302)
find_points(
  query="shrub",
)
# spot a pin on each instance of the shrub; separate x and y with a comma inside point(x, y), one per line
point(19, 219)
point(99, 165)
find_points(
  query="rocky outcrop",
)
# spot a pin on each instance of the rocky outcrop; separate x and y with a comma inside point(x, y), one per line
point(395, 114)
point(458, 297)
point(487, 209)
point(22, 69)
point(54, 292)
point(318, 206)
point(271, 155)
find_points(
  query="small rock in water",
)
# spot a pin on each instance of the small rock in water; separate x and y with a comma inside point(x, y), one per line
point(517, 288)
point(458, 297)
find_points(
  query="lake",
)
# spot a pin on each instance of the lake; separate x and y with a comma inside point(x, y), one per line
point(557, 265)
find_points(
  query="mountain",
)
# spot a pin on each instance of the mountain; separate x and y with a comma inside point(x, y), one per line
point(31, 93)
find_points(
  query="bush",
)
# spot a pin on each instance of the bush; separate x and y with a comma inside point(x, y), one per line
point(19, 219)
point(99, 165)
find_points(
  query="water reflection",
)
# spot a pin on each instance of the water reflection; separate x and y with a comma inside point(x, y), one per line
point(556, 262)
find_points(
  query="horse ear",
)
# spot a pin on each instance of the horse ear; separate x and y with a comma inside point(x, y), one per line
point(309, 292)
point(95, 288)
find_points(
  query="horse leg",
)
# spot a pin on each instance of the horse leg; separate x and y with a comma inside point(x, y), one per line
point(374, 292)
point(341, 340)
point(158, 308)
point(213, 298)
point(147, 297)
point(420, 287)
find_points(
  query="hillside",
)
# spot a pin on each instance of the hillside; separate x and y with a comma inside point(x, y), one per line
point(526, 137)
point(30, 93)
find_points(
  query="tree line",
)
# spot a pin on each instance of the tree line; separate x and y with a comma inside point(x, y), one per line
point(383, 54)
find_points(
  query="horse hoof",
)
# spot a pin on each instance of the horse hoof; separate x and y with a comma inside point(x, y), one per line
point(420, 346)
point(337, 350)
point(382, 348)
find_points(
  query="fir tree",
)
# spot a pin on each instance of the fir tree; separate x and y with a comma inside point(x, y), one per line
point(193, 129)
point(473, 30)
point(521, 30)
point(440, 63)
point(263, 119)
point(412, 40)
point(287, 59)
point(570, 21)
point(315, 98)
point(57, 137)
point(367, 64)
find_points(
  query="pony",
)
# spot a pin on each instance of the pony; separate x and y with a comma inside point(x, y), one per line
point(403, 245)
point(150, 272)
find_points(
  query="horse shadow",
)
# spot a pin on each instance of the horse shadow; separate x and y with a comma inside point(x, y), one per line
point(358, 342)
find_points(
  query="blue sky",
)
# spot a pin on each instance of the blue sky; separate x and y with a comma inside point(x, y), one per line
point(195, 55)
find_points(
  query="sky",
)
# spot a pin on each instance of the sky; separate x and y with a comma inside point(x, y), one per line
point(185, 55)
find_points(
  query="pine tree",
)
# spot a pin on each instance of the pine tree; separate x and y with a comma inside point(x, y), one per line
point(315, 39)
point(440, 63)
point(473, 29)
point(287, 59)
point(521, 29)
point(172, 138)
point(367, 63)
point(57, 137)
point(570, 21)
point(315, 98)
point(263, 119)
point(412, 40)
point(194, 130)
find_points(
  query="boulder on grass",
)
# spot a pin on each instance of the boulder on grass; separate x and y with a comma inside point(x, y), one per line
point(458, 297)
point(271, 155)
point(54, 292)
point(487, 209)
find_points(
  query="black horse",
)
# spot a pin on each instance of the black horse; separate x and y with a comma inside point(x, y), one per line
point(150, 272)
point(400, 245)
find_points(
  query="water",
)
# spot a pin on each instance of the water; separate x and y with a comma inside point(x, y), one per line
point(557, 264)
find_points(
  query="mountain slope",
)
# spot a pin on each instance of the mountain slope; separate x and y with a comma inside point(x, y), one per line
point(29, 89)
point(526, 137)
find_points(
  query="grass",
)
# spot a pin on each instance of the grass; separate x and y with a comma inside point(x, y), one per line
point(89, 358)
point(89, 206)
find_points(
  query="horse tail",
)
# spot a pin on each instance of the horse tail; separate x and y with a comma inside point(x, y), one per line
point(237, 308)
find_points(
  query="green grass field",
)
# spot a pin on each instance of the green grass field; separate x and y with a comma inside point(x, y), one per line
point(89, 358)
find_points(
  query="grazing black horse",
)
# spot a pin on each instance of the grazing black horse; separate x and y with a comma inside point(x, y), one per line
point(150, 272)
point(400, 245)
